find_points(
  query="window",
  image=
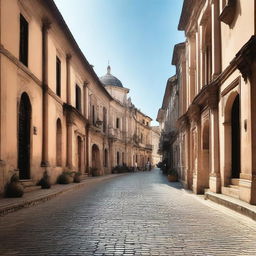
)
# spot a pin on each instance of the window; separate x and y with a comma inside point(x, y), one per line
point(93, 115)
point(117, 123)
point(117, 158)
point(23, 40)
point(104, 119)
point(58, 76)
point(78, 98)
point(141, 138)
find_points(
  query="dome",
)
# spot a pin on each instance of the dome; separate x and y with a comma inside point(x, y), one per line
point(109, 79)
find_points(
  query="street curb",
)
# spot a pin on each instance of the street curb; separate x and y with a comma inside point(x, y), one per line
point(43, 198)
point(233, 204)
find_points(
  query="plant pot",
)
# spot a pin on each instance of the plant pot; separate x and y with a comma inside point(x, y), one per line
point(65, 179)
point(77, 178)
point(45, 184)
point(14, 189)
point(172, 178)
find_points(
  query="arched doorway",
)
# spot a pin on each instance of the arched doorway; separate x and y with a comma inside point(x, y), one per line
point(79, 153)
point(24, 137)
point(235, 137)
point(95, 160)
point(58, 143)
point(205, 155)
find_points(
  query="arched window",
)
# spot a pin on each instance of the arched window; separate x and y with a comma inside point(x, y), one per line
point(58, 143)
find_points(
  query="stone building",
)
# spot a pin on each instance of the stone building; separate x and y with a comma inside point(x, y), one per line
point(156, 133)
point(55, 114)
point(167, 116)
point(217, 97)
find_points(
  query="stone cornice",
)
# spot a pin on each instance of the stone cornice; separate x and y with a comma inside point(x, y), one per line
point(183, 122)
point(212, 94)
point(72, 113)
point(194, 113)
point(185, 14)
point(245, 57)
point(176, 52)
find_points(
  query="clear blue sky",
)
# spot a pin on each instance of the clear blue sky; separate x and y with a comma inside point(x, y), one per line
point(136, 36)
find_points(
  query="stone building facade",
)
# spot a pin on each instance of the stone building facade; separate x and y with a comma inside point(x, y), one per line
point(55, 113)
point(156, 134)
point(216, 69)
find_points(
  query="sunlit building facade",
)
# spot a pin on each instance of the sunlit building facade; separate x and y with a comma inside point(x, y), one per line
point(217, 97)
point(55, 113)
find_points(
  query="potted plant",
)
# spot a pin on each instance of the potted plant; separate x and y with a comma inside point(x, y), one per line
point(77, 177)
point(45, 181)
point(172, 175)
point(14, 188)
point(94, 171)
point(65, 178)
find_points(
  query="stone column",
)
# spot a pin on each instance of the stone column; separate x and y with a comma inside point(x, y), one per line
point(82, 156)
point(202, 58)
point(216, 39)
point(214, 182)
point(197, 89)
point(195, 116)
point(45, 28)
point(192, 69)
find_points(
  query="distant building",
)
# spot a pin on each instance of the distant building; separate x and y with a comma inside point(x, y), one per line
point(156, 157)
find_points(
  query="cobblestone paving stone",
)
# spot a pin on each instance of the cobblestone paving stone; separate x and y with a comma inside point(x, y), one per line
point(137, 214)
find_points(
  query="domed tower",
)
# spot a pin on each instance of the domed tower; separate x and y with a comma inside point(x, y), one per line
point(114, 86)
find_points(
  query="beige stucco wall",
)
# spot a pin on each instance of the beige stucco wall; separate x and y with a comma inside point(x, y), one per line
point(16, 79)
point(233, 37)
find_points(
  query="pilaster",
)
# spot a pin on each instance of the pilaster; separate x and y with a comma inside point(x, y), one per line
point(216, 41)
point(213, 99)
point(46, 25)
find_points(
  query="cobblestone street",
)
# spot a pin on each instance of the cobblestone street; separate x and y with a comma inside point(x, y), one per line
point(135, 214)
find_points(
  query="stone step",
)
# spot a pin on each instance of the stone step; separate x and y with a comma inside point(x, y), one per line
point(31, 188)
point(29, 185)
point(235, 182)
point(229, 191)
point(234, 186)
point(233, 203)
point(84, 176)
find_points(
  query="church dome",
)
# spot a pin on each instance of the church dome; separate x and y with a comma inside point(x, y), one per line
point(109, 79)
